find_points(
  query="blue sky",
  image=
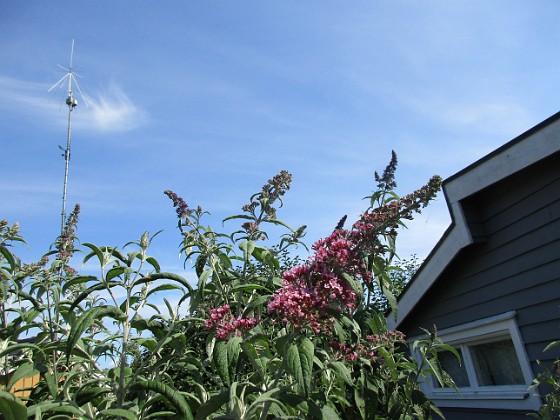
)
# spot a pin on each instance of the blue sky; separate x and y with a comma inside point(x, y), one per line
point(212, 98)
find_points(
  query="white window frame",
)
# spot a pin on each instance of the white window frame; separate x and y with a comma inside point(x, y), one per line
point(500, 396)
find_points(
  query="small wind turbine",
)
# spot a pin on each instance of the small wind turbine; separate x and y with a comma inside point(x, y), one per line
point(72, 103)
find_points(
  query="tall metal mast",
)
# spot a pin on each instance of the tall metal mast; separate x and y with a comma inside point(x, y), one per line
point(72, 103)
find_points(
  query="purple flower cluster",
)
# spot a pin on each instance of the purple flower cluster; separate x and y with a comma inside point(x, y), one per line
point(312, 291)
point(226, 325)
point(181, 207)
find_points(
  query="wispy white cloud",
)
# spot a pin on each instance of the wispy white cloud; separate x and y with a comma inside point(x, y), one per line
point(108, 110)
point(113, 110)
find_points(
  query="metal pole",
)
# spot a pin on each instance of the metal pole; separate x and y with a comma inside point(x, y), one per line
point(72, 103)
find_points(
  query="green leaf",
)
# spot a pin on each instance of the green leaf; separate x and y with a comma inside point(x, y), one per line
point(329, 413)
point(267, 397)
point(259, 301)
point(159, 414)
point(279, 222)
point(203, 278)
point(249, 288)
point(552, 345)
point(175, 398)
point(88, 291)
point(154, 263)
point(85, 395)
point(342, 372)
point(96, 251)
point(54, 406)
point(220, 358)
point(233, 350)
point(359, 395)
point(258, 364)
point(86, 319)
point(149, 343)
point(118, 412)
point(11, 407)
point(164, 276)
point(9, 257)
point(22, 346)
point(77, 280)
point(355, 285)
point(300, 363)
point(115, 272)
point(52, 384)
point(238, 216)
point(212, 405)
point(247, 247)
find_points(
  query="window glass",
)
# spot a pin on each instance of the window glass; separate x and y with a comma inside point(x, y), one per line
point(496, 363)
point(449, 363)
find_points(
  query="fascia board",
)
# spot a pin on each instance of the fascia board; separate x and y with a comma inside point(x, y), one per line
point(530, 147)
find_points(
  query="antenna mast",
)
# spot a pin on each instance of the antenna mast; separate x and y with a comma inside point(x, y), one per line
point(72, 103)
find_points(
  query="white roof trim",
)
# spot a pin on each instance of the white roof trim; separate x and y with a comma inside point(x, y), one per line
point(532, 146)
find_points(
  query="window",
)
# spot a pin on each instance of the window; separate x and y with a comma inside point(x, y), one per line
point(494, 371)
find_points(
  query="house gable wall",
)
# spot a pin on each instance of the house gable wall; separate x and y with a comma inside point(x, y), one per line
point(513, 266)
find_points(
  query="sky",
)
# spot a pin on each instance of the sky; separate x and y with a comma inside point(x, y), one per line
point(211, 98)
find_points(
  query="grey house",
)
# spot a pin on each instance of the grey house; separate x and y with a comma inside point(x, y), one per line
point(491, 285)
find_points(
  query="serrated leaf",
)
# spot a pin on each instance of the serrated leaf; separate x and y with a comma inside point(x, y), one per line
point(175, 398)
point(359, 397)
point(299, 357)
point(233, 350)
point(220, 358)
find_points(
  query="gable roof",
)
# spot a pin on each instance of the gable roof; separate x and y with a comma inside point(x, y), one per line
point(530, 147)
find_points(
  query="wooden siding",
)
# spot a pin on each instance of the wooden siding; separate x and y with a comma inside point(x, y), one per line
point(23, 387)
point(515, 265)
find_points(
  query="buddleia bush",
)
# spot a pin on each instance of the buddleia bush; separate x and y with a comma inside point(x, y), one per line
point(261, 334)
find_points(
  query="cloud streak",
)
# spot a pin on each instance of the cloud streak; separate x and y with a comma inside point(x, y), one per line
point(110, 110)
point(113, 110)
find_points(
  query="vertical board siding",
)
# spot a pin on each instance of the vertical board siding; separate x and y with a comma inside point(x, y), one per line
point(517, 267)
point(23, 387)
